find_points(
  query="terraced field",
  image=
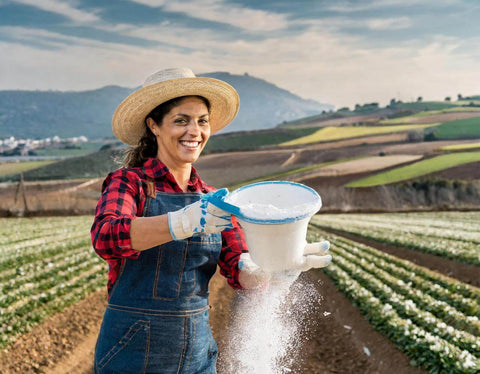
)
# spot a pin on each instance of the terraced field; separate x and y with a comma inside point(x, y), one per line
point(329, 133)
point(417, 169)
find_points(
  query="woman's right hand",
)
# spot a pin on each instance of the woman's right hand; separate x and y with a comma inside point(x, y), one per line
point(199, 217)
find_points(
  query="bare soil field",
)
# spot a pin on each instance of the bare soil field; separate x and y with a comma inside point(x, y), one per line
point(466, 172)
point(363, 165)
point(367, 118)
point(66, 197)
point(442, 117)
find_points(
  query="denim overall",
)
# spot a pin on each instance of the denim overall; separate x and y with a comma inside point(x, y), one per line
point(156, 320)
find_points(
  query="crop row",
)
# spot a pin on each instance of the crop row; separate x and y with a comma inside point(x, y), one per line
point(429, 327)
point(45, 266)
point(460, 245)
point(14, 230)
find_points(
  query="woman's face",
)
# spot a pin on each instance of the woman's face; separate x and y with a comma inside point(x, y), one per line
point(183, 133)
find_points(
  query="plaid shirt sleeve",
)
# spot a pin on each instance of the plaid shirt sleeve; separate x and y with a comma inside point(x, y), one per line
point(115, 210)
point(233, 245)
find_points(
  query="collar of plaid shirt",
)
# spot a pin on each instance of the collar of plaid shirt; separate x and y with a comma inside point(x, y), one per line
point(156, 169)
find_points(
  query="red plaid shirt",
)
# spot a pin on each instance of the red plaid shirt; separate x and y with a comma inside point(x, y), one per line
point(123, 198)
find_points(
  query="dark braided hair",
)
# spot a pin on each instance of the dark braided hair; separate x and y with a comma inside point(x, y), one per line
point(147, 146)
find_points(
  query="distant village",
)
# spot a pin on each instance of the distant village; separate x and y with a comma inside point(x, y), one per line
point(27, 147)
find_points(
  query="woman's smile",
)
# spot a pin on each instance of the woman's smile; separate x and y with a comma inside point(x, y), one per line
point(183, 133)
point(189, 144)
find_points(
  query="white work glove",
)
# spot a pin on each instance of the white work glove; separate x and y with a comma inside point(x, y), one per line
point(199, 217)
point(251, 276)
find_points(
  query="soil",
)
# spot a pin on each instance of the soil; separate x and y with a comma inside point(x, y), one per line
point(467, 172)
point(363, 165)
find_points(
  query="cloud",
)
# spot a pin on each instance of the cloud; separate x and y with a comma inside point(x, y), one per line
point(219, 11)
point(349, 7)
point(64, 8)
point(389, 23)
point(315, 62)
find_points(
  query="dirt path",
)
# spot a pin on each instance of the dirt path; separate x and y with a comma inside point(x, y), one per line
point(340, 341)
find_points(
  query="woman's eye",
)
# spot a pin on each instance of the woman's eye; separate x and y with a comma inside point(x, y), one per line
point(203, 121)
point(180, 121)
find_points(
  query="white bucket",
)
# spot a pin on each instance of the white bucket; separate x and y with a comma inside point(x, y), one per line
point(274, 217)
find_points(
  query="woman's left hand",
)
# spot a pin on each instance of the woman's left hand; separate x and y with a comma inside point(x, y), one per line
point(251, 276)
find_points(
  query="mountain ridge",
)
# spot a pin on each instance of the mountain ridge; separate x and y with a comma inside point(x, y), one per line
point(40, 114)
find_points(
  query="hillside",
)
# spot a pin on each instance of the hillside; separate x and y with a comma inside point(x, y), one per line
point(41, 114)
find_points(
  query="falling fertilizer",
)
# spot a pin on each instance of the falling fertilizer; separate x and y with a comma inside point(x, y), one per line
point(269, 326)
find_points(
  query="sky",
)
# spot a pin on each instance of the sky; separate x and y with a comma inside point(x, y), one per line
point(339, 52)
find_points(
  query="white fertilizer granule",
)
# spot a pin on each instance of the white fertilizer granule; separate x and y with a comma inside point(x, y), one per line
point(267, 326)
point(269, 211)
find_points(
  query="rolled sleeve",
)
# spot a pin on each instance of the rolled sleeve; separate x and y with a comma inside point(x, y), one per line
point(115, 211)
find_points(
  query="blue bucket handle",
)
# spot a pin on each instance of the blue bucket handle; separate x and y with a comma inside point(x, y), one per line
point(218, 199)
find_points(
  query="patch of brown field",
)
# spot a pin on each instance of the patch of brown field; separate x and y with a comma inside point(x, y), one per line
point(77, 196)
point(442, 117)
point(427, 148)
point(362, 165)
point(367, 118)
point(374, 139)
point(467, 172)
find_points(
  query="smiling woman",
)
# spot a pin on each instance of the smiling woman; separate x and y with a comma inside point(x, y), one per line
point(162, 237)
point(158, 233)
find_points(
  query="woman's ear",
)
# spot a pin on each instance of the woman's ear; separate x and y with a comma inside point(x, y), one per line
point(152, 125)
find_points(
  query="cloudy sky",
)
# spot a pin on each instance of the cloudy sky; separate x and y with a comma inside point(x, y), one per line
point(339, 52)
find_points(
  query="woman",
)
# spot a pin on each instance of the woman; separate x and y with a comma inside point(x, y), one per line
point(160, 236)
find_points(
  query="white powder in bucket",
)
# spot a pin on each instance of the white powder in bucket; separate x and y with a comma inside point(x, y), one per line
point(270, 211)
point(267, 327)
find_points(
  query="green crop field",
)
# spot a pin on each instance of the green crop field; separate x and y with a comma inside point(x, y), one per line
point(254, 140)
point(460, 129)
point(417, 169)
point(331, 133)
point(8, 168)
point(433, 319)
point(426, 105)
point(46, 264)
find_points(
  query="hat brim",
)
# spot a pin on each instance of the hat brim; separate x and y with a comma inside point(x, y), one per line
point(128, 122)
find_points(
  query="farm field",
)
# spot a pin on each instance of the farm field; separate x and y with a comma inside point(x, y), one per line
point(7, 168)
point(47, 265)
point(451, 235)
point(329, 133)
point(417, 169)
point(365, 164)
point(433, 319)
point(459, 147)
point(433, 116)
point(468, 128)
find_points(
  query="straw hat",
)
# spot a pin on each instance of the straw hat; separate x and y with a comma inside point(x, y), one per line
point(128, 122)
